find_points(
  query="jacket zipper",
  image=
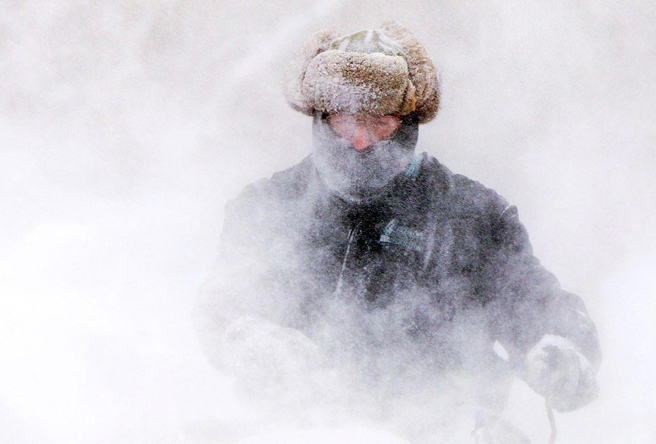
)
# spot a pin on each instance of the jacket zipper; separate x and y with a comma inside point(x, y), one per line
point(351, 235)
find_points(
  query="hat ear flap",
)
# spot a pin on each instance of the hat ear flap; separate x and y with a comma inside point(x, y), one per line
point(423, 74)
point(295, 73)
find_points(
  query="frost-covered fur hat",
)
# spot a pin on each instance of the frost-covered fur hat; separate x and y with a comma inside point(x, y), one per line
point(380, 71)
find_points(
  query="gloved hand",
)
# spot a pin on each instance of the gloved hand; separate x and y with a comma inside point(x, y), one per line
point(556, 370)
point(270, 361)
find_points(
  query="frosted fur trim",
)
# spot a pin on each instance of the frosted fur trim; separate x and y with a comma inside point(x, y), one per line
point(330, 75)
point(353, 82)
point(422, 70)
point(314, 45)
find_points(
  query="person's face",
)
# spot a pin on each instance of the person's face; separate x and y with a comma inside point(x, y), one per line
point(363, 130)
point(356, 156)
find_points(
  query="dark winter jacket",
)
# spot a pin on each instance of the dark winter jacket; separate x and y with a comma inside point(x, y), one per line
point(437, 273)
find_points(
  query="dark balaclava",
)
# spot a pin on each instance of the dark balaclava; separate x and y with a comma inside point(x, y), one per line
point(361, 176)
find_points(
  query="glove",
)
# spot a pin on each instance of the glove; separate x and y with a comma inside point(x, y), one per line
point(270, 361)
point(556, 370)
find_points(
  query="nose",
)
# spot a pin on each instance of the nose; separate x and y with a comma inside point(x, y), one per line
point(361, 139)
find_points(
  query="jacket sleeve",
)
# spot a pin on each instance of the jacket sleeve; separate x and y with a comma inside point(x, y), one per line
point(238, 284)
point(527, 301)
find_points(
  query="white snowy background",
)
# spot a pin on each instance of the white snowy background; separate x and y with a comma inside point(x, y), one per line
point(126, 125)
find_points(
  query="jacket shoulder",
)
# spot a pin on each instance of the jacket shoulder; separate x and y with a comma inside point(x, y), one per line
point(259, 210)
point(281, 186)
point(462, 195)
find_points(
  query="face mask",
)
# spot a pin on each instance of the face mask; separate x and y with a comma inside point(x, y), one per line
point(358, 176)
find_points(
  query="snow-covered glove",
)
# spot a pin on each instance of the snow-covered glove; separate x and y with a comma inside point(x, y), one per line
point(555, 369)
point(270, 361)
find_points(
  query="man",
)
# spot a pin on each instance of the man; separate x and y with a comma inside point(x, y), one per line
point(407, 287)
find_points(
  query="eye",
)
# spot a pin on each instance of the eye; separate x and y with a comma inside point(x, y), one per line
point(386, 121)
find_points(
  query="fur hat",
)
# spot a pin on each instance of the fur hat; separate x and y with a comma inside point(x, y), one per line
point(378, 72)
